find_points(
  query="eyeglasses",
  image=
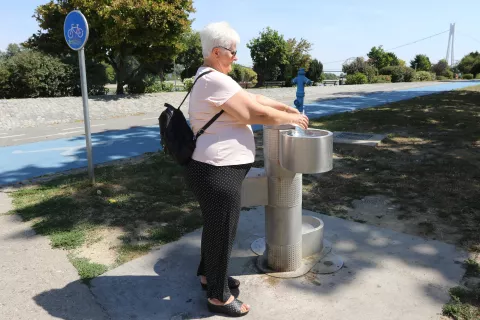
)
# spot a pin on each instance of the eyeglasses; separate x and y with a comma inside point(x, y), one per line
point(234, 53)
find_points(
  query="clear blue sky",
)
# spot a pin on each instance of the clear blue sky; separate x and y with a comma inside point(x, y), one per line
point(337, 30)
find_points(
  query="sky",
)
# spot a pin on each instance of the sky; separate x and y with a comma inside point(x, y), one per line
point(338, 30)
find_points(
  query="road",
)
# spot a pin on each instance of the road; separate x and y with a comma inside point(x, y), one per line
point(31, 152)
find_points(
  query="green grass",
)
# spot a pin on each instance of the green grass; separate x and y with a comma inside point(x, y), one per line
point(429, 163)
point(165, 234)
point(129, 252)
point(86, 269)
point(68, 239)
point(464, 304)
point(465, 301)
point(152, 192)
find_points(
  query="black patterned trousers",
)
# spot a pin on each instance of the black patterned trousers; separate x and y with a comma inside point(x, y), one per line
point(218, 191)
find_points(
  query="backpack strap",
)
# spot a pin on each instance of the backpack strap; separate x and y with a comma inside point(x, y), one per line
point(208, 124)
point(201, 75)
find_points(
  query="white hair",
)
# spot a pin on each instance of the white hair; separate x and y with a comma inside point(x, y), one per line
point(218, 34)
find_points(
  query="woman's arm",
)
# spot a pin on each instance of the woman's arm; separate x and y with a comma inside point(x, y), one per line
point(274, 104)
point(249, 111)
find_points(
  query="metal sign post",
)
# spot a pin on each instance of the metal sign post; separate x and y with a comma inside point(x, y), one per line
point(76, 31)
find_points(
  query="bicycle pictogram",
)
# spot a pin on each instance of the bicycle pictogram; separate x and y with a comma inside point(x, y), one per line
point(75, 30)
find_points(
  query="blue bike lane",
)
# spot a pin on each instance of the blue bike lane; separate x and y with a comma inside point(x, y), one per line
point(31, 160)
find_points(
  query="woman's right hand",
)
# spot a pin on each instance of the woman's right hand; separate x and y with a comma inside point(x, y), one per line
point(300, 120)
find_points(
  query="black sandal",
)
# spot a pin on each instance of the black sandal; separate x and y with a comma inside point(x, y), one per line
point(233, 309)
point(232, 284)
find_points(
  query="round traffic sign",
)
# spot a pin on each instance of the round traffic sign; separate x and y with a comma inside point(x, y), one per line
point(75, 30)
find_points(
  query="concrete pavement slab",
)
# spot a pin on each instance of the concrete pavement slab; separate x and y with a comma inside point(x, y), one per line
point(31, 272)
point(387, 275)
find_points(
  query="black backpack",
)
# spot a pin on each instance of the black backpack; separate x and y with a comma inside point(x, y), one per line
point(177, 138)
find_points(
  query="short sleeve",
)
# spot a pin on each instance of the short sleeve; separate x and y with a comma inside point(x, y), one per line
point(219, 88)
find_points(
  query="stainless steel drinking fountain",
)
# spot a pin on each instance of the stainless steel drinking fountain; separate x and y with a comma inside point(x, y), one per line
point(293, 243)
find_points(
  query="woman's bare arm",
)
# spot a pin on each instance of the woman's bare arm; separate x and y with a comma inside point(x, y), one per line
point(274, 104)
point(249, 111)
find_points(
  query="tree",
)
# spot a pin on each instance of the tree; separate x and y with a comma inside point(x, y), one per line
point(381, 59)
point(13, 49)
point(148, 31)
point(359, 65)
point(298, 57)
point(191, 57)
point(421, 63)
point(298, 53)
point(330, 76)
point(269, 53)
point(393, 59)
point(315, 71)
point(243, 75)
point(441, 69)
point(468, 62)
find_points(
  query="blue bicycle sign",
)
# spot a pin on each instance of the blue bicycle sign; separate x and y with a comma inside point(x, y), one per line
point(75, 30)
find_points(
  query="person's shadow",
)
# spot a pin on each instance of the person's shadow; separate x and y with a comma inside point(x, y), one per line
point(169, 291)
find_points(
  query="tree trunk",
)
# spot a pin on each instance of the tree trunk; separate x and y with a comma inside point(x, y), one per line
point(120, 75)
point(120, 87)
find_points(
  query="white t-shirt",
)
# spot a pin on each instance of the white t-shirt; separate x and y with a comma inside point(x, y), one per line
point(227, 141)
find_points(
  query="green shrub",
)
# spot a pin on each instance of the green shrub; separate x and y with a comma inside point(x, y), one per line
point(111, 75)
point(424, 76)
point(156, 86)
point(251, 76)
point(31, 74)
point(478, 76)
point(382, 79)
point(144, 83)
point(371, 72)
point(361, 66)
point(467, 76)
point(357, 78)
point(399, 73)
point(148, 83)
point(188, 83)
point(166, 86)
point(448, 74)
point(409, 74)
point(440, 78)
point(243, 75)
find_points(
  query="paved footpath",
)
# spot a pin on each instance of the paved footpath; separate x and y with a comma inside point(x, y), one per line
point(24, 161)
point(30, 270)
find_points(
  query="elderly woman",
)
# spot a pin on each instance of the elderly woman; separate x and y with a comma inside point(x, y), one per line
point(223, 155)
